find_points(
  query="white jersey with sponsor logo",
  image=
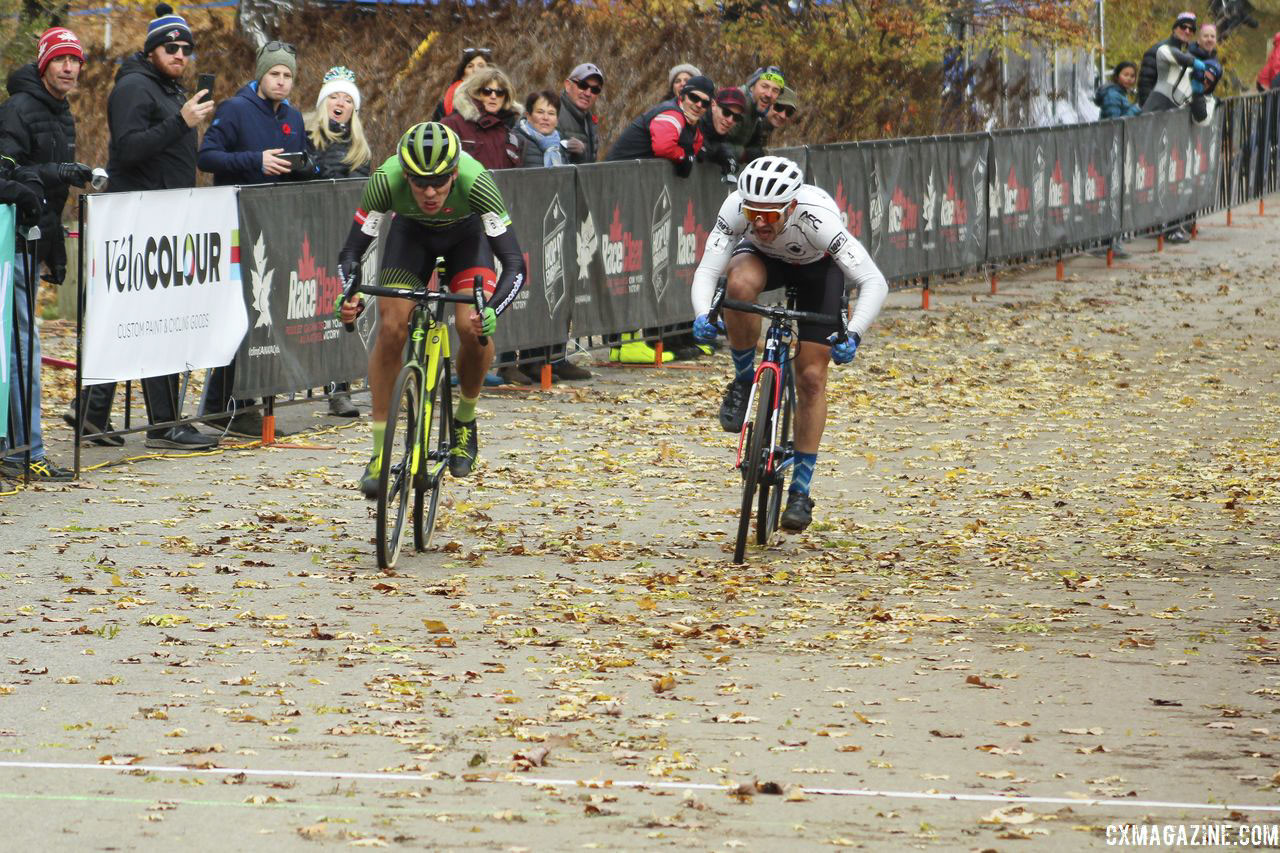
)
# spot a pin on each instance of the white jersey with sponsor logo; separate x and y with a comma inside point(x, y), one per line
point(814, 230)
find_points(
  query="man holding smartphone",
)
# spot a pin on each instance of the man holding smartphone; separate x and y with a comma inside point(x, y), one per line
point(257, 137)
point(153, 126)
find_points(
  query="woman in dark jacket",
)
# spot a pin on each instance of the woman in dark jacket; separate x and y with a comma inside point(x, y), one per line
point(1113, 98)
point(473, 59)
point(338, 148)
point(335, 134)
point(484, 115)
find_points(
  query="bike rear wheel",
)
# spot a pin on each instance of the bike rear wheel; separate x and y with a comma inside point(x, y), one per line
point(399, 450)
point(437, 440)
point(771, 505)
point(753, 459)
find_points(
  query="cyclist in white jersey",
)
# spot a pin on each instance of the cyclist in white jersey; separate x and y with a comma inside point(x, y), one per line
point(774, 230)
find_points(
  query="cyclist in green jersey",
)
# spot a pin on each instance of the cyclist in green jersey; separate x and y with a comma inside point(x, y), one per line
point(443, 204)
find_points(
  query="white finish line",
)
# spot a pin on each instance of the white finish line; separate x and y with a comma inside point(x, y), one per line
point(639, 784)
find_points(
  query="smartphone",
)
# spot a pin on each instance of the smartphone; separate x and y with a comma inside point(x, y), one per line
point(205, 81)
point(294, 158)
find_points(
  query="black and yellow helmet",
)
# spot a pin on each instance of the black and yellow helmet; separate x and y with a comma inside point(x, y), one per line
point(428, 149)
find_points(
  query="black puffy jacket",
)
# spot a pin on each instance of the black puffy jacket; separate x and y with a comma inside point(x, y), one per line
point(37, 130)
point(328, 160)
point(1147, 73)
point(152, 148)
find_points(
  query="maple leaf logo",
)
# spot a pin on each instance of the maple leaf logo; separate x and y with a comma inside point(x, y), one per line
point(261, 280)
point(587, 245)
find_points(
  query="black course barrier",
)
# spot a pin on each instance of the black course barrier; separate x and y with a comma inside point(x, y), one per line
point(612, 247)
point(289, 240)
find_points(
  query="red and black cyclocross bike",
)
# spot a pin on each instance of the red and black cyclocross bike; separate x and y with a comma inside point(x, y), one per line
point(765, 446)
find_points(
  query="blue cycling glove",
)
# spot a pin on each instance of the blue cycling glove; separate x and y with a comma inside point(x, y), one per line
point(843, 352)
point(704, 331)
point(1198, 65)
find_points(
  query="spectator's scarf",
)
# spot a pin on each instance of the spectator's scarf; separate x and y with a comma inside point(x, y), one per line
point(548, 143)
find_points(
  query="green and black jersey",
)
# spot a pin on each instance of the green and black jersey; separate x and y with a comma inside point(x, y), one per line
point(474, 194)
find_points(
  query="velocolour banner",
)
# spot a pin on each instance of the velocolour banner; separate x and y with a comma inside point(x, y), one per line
point(6, 310)
point(292, 234)
point(162, 293)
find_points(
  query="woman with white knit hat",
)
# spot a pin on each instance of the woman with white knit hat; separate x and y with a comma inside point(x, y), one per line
point(335, 135)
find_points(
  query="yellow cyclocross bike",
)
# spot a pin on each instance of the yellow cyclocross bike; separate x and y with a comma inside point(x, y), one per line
point(419, 436)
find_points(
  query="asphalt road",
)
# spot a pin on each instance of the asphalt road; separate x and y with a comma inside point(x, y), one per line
point(1038, 603)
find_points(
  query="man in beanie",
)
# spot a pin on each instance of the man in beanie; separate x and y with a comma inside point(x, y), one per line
point(252, 129)
point(38, 131)
point(762, 89)
point(576, 122)
point(243, 146)
point(669, 130)
point(726, 113)
point(153, 138)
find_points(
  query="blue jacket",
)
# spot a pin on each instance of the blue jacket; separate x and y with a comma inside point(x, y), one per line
point(1115, 102)
point(243, 127)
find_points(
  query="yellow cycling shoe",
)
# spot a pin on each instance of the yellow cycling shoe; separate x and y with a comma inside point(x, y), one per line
point(638, 352)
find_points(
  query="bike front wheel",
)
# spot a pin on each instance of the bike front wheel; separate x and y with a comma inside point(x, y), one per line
point(400, 455)
point(753, 459)
point(770, 507)
point(437, 440)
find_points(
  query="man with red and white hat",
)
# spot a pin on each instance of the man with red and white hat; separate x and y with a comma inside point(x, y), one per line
point(37, 130)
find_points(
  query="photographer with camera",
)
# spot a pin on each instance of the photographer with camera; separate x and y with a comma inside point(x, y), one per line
point(37, 131)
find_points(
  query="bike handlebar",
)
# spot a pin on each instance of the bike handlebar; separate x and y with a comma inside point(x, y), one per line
point(780, 313)
point(421, 295)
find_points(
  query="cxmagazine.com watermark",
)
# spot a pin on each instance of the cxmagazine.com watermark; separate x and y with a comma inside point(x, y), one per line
point(1181, 835)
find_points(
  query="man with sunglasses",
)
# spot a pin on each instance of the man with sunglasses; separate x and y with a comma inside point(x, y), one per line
point(1184, 28)
point(728, 110)
point(670, 130)
point(782, 111)
point(445, 205)
point(576, 122)
point(153, 139)
point(772, 231)
point(762, 89)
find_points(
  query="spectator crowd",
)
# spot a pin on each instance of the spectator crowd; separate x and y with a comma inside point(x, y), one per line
point(259, 136)
point(1181, 70)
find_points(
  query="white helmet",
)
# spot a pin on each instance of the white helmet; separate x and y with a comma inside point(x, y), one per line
point(770, 180)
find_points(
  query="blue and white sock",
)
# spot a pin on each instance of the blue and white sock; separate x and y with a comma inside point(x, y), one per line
point(744, 361)
point(802, 472)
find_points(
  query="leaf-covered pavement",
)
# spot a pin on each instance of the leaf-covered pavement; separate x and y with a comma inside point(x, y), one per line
point(1044, 565)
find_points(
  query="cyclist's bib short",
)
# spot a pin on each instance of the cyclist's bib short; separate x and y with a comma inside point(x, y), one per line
point(819, 288)
point(412, 249)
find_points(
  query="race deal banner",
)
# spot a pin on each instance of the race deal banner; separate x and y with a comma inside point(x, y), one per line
point(1017, 195)
point(1204, 161)
point(1095, 185)
point(541, 203)
point(695, 203)
point(162, 290)
point(7, 223)
point(1146, 167)
point(290, 238)
point(952, 208)
point(615, 214)
point(843, 170)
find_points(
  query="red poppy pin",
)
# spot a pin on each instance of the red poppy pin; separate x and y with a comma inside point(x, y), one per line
point(288, 131)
